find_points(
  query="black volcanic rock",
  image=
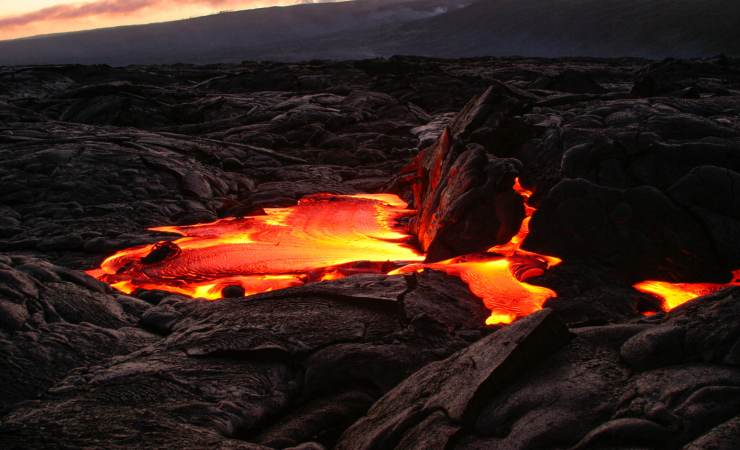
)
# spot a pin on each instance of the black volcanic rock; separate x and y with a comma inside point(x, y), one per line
point(710, 194)
point(638, 231)
point(464, 198)
point(674, 77)
point(232, 292)
point(226, 367)
point(53, 320)
point(573, 392)
point(441, 396)
point(455, 216)
point(160, 252)
point(133, 179)
point(624, 187)
point(130, 179)
point(569, 81)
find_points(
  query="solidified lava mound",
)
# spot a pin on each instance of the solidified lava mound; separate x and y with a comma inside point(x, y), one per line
point(369, 207)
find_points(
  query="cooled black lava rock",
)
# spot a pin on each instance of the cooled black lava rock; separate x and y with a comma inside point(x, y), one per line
point(161, 251)
point(233, 291)
point(309, 360)
point(569, 81)
point(589, 389)
point(464, 197)
point(673, 77)
point(638, 231)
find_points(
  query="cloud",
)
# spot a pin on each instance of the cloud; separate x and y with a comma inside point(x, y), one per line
point(70, 11)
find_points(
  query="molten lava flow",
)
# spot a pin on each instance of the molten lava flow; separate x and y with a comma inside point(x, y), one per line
point(676, 294)
point(492, 278)
point(324, 237)
point(328, 237)
point(499, 275)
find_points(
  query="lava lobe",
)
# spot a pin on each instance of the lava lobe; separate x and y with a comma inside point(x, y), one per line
point(323, 237)
point(327, 237)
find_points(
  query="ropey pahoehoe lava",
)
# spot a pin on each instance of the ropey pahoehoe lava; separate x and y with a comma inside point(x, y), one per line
point(326, 237)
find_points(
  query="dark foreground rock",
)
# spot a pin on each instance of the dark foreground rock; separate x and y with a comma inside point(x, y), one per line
point(645, 384)
point(430, 407)
point(634, 168)
point(276, 369)
point(640, 230)
point(54, 320)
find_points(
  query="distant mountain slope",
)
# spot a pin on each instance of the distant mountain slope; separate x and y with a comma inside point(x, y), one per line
point(225, 37)
point(552, 28)
point(652, 28)
point(372, 28)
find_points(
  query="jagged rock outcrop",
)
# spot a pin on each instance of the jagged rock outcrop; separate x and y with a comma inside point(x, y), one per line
point(443, 395)
point(463, 194)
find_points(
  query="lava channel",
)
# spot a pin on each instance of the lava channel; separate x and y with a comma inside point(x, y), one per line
point(326, 237)
point(323, 237)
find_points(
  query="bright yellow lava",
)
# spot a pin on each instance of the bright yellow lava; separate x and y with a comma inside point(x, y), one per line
point(491, 278)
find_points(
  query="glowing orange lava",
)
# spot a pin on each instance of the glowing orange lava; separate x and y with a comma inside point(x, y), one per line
point(328, 237)
point(324, 237)
point(676, 294)
point(499, 276)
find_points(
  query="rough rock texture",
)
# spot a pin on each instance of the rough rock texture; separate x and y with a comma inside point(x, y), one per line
point(258, 370)
point(645, 384)
point(464, 198)
point(619, 177)
point(632, 178)
point(447, 393)
point(688, 79)
point(53, 320)
point(639, 230)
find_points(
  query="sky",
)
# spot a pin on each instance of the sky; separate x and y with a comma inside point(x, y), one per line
point(21, 18)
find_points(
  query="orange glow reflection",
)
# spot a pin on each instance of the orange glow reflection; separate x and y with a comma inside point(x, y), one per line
point(492, 279)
